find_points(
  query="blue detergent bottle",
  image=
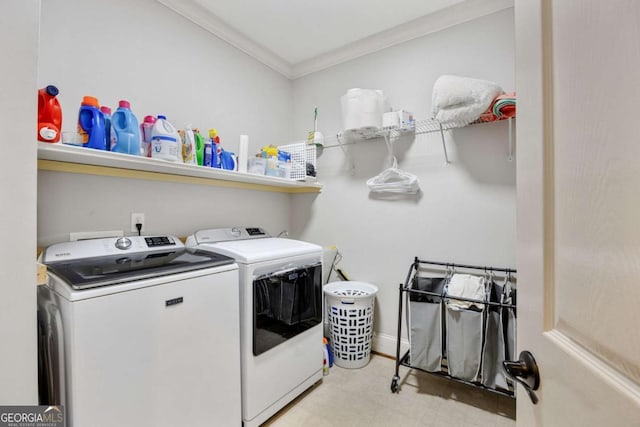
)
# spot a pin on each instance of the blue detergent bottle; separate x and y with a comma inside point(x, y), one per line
point(125, 131)
point(207, 155)
point(91, 124)
point(106, 112)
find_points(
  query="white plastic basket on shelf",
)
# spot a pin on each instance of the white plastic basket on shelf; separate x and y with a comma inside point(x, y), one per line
point(350, 312)
point(302, 154)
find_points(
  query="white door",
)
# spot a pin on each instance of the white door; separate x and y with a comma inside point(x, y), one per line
point(578, 80)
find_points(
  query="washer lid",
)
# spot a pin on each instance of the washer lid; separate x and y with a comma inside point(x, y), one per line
point(93, 272)
point(265, 249)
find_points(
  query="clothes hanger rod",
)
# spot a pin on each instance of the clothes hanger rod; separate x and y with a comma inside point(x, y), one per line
point(472, 267)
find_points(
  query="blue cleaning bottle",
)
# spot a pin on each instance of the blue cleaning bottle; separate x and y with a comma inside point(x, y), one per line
point(207, 156)
point(91, 124)
point(106, 112)
point(215, 148)
point(125, 133)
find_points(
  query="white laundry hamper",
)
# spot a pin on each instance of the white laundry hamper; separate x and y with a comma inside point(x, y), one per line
point(350, 313)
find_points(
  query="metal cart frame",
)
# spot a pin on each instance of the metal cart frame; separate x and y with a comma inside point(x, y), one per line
point(405, 289)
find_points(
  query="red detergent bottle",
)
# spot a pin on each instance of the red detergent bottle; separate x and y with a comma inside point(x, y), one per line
point(49, 115)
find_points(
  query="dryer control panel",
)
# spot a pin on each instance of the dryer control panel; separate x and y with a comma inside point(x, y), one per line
point(216, 235)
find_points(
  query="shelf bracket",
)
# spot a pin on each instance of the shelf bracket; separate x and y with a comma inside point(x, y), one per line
point(444, 146)
point(510, 158)
point(352, 165)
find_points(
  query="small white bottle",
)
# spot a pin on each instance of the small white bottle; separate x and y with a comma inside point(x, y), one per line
point(166, 143)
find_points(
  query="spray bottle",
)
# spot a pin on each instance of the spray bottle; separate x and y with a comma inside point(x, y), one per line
point(199, 147)
point(216, 148)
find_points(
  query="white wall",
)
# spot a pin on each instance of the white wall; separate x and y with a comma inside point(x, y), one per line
point(18, 112)
point(466, 210)
point(163, 64)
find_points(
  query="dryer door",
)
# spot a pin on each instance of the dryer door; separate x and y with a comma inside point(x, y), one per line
point(286, 303)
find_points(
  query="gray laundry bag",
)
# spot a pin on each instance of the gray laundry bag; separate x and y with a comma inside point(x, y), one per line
point(493, 350)
point(465, 327)
point(425, 324)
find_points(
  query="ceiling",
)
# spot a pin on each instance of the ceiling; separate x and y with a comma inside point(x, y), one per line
point(297, 30)
point(296, 37)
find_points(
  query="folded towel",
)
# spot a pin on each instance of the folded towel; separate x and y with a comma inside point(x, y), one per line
point(465, 286)
point(504, 106)
point(487, 116)
point(462, 99)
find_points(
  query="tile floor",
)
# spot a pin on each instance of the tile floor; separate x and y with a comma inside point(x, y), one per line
point(362, 397)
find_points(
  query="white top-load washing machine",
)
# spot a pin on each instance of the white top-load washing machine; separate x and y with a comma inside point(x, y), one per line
point(140, 331)
point(281, 315)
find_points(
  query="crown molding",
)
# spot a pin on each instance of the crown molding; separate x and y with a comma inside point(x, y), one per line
point(422, 26)
point(201, 16)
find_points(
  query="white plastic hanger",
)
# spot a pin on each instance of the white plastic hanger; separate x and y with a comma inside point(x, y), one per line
point(393, 180)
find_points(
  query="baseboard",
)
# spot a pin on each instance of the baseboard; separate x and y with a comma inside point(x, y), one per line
point(385, 345)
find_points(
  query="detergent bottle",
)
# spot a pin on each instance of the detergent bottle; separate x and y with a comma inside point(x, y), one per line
point(216, 149)
point(228, 160)
point(207, 158)
point(49, 115)
point(146, 127)
point(218, 152)
point(91, 124)
point(126, 132)
point(189, 146)
point(165, 141)
point(108, 138)
point(199, 147)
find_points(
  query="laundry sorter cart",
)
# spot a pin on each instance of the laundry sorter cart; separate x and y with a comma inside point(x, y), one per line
point(462, 337)
point(350, 312)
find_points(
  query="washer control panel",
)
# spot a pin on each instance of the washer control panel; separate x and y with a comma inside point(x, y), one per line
point(255, 232)
point(123, 243)
point(109, 246)
point(154, 242)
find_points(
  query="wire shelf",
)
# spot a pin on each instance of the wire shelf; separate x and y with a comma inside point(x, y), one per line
point(419, 127)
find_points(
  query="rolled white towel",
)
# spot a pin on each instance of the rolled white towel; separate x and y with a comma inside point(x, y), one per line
point(462, 99)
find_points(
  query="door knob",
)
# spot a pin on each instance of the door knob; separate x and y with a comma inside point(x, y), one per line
point(525, 371)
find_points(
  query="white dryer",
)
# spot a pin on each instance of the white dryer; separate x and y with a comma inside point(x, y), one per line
point(280, 315)
point(140, 331)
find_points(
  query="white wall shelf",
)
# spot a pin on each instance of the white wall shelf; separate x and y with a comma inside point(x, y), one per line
point(71, 159)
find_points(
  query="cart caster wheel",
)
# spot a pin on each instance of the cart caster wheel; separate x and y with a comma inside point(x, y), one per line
point(394, 384)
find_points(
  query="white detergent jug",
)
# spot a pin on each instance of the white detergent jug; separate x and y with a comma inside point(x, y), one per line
point(166, 143)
